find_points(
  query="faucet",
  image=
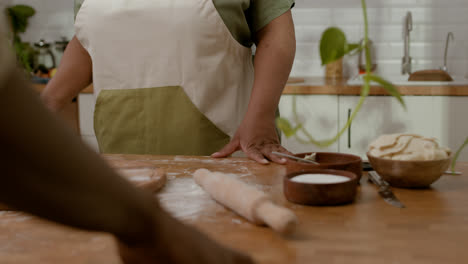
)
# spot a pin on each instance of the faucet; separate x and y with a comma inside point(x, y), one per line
point(408, 27)
point(449, 36)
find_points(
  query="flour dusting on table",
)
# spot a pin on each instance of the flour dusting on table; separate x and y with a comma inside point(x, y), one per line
point(13, 216)
point(211, 160)
point(185, 200)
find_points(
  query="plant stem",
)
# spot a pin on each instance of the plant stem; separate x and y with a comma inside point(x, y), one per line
point(364, 92)
point(366, 37)
point(457, 154)
point(366, 86)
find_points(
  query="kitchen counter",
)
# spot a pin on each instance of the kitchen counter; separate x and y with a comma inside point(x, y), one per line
point(432, 229)
point(323, 86)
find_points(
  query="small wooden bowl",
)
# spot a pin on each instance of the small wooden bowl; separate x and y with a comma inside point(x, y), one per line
point(409, 174)
point(321, 193)
point(328, 160)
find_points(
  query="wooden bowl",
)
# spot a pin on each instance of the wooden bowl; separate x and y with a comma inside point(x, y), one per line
point(431, 76)
point(320, 193)
point(409, 174)
point(328, 160)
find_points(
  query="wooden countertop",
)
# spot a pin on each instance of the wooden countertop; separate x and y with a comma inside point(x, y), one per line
point(323, 86)
point(432, 229)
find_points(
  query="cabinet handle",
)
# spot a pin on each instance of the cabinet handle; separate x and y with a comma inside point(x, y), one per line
point(349, 129)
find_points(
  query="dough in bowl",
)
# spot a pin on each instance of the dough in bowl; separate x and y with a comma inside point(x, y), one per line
point(407, 147)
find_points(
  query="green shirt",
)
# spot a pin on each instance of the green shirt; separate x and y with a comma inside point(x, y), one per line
point(244, 18)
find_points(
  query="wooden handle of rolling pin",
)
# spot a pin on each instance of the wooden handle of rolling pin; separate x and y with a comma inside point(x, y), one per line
point(245, 200)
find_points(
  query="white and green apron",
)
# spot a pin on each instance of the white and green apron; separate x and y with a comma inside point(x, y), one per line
point(169, 77)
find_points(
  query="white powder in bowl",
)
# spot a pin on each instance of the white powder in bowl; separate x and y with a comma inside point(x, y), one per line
point(319, 178)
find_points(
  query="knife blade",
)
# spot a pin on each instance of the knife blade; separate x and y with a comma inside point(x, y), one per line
point(384, 190)
point(294, 157)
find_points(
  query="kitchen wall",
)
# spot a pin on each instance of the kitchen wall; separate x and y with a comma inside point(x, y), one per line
point(433, 19)
point(53, 20)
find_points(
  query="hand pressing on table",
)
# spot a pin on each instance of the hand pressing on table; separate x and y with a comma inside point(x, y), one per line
point(257, 139)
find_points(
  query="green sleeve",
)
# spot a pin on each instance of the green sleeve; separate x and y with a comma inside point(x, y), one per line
point(245, 17)
point(262, 12)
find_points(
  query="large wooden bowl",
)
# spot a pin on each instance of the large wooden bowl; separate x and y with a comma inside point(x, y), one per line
point(328, 160)
point(321, 193)
point(409, 174)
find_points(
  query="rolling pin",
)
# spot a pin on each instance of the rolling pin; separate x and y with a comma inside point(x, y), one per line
point(247, 201)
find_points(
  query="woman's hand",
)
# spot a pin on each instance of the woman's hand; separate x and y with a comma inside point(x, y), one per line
point(257, 139)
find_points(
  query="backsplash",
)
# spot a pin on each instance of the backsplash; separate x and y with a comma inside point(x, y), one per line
point(432, 20)
point(53, 20)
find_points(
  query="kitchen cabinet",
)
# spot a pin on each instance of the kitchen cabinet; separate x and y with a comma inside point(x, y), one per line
point(319, 114)
point(383, 115)
point(451, 122)
point(442, 117)
point(86, 116)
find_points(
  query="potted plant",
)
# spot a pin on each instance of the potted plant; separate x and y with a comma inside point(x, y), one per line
point(333, 47)
point(18, 16)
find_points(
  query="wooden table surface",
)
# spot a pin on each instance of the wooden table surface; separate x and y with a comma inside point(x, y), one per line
point(432, 229)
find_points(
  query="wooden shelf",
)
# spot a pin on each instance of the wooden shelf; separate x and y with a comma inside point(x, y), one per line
point(322, 86)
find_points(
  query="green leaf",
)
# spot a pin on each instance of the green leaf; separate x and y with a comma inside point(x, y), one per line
point(333, 45)
point(352, 46)
point(286, 127)
point(391, 89)
point(457, 154)
point(23, 10)
point(19, 15)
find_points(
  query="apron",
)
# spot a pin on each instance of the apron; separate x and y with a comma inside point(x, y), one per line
point(169, 78)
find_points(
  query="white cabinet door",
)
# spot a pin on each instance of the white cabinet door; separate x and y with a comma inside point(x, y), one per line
point(383, 115)
point(451, 122)
point(86, 105)
point(319, 114)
